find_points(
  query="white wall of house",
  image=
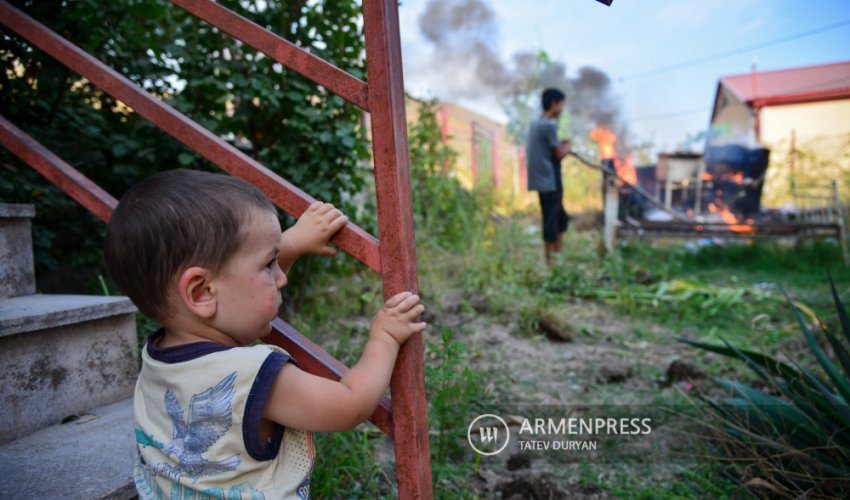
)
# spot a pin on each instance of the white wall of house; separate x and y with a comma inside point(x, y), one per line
point(822, 135)
point(822, 139)
point(809, 120)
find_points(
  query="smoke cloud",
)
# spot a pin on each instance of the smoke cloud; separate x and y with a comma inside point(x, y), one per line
point(465, 35)
point(465, 63)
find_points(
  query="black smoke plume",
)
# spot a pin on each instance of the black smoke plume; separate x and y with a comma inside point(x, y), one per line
point(465, 62)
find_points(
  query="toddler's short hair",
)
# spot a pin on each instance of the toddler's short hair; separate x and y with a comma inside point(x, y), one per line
point(172, 221)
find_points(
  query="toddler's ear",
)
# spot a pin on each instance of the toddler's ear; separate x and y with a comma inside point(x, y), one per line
point(196, 291)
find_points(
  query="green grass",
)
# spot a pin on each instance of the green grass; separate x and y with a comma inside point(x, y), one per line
point(704, 481)
point(705, 293)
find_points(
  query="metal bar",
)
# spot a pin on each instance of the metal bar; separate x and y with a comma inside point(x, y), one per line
point(724, 235)
point(310, 357)
point(66, 177)
point(317, 361)
point(813, 186)
point(398, 252)
point(396, 258)
point(699, 188)
point(838, 217)
point(815, 197)
point(705, 229)
point(646, 194)
point(279, 49)
point(611, 209)
point(354, 240)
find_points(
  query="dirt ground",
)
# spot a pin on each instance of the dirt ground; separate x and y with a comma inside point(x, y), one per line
point(586, 355)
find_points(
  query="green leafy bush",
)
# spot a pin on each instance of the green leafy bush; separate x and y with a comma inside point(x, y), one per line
point(793, 431)
point(450, 215)
point(294, 127)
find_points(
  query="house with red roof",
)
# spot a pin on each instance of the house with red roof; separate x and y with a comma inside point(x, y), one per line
point(764, 107)
point(801, 114)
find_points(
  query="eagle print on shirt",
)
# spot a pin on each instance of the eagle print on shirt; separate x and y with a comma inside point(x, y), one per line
point(210, 416)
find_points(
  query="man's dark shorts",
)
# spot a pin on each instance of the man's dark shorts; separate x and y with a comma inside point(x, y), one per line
point(555, 218)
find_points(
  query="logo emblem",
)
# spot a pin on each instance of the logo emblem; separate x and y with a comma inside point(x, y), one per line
point(488, 434)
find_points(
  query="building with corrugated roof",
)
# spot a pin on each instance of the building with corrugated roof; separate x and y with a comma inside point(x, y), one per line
point(764, 106)
point(789, 110)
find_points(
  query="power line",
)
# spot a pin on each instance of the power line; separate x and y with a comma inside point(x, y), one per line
point(720, 55)
point(792, 91)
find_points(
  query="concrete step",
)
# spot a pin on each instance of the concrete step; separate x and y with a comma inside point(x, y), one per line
point(91, 458)
point(17, 275)
point(63, 355)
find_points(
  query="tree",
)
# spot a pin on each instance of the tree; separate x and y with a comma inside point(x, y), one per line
point(589, 101)
point(294, 127)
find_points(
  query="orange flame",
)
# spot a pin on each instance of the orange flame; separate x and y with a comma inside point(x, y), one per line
point(730, 219)
point(605, 139)
point(626, 169)
point(736, 177)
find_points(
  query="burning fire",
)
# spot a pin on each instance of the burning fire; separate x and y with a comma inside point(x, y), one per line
point(729, 218)
point(736, 177)
point(605, 139)
point(626, 169)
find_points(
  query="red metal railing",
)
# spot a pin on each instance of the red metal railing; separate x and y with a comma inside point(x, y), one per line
point(311, 357)
point(406, 418)
point(42, 160)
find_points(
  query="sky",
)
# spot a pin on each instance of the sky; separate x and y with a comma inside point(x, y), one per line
point(636, 36)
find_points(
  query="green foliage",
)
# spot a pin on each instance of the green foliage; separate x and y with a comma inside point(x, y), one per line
point(699, 483)
point(524, 106)
point(765, 256)
point(794, 436)
point(428, 154)
point(710, 289)
point(811, 165)
point(346, 467)
point(296, 128)
point(443, 209)
point(450, 384)
point(453, 391)
point(633, 288)
point(346, 462)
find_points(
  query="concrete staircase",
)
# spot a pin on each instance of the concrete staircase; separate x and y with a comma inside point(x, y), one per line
point(68, 358)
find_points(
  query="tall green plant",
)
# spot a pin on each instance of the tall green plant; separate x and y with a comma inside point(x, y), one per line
point(796, 435)
point(453, 390)
point(448, 213)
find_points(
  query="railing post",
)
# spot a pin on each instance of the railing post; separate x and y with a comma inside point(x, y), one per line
point(397, 246)
point(839, 221)
point(611, 210)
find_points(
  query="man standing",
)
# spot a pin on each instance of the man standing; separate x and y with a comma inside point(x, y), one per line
point(544, 153)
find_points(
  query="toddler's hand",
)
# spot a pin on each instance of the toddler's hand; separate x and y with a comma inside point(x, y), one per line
point(311, 233)
point(396, 321)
